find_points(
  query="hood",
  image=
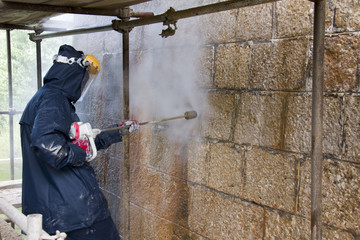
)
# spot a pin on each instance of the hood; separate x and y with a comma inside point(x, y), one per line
point(66, 77)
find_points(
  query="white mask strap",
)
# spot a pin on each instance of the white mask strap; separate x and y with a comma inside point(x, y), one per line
point(62, 59)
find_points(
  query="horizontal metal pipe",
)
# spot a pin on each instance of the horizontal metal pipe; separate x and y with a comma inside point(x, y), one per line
point(167, 16)
point(34, 37)
point(191, 12)
point(16, 216)
point(13, 112)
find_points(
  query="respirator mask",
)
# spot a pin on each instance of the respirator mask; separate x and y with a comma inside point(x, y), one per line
point(90, 63)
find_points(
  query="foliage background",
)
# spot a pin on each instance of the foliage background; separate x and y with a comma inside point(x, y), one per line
point(24, 86)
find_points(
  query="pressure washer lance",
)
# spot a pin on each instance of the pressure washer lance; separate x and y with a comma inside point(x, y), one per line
point(187, 115)
point(80, 130)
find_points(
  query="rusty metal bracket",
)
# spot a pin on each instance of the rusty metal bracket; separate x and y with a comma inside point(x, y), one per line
point(168, 20)
point(125, 14)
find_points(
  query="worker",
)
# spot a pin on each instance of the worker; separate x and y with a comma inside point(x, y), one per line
point(58, 182)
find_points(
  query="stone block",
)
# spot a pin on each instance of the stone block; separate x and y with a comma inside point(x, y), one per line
point(232, 66)
point(279, 65)
point(254, 22)
point(341, 63)
point(198, 163)
point(167, 155)
point(160, 194)
point(220, 116)
point(259, 119)
point(219, 216)
point(216, 27)
point(115, 207)
point(336, 234)
point(304, 194)
point(285, 226)
point(298, 124)
point(293, 18)
point(341, 201)
point(145, 225)
point(271, 178)
point(206, 67)
point(144, 187)
point(352, 127)
point(226, 164)
point(347, 15)
point(333, 125)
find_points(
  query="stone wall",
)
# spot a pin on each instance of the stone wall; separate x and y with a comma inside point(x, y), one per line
point(243, 171)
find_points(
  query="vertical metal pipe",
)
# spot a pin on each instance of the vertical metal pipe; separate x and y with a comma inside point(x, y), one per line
point(11, 105)
point(38, 63)
point(34, 226)
point(317, 120)
point(126, 141)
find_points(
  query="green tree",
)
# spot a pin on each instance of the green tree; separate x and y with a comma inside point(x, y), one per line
point(24, 84)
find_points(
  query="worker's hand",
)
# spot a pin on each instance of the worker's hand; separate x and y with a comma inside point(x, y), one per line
point(133, 125)
point(84, 144)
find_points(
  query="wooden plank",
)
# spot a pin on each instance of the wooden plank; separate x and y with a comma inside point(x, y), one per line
point(71, 3)
point(115, 3)
point(12, 195)
point(28, 1)
point(11, 184)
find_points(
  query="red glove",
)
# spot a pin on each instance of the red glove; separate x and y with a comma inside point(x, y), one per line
point(84, 144)
point(133, 125)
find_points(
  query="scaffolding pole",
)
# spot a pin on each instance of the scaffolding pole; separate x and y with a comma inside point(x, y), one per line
point(165, 17)
point(126, 139)
point(11, 104)
point(317, 120)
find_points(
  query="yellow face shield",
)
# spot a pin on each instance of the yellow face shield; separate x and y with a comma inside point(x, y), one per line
point(93, 64)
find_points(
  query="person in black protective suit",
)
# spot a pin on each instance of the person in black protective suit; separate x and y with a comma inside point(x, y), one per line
point(58, 182)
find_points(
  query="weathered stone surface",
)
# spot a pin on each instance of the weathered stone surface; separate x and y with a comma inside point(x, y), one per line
point(336, 234)
point(232, 66)
point(280, 225)
point(216, 27)
point(198, 163)
point(333, 125)
point(226, 164)
point(352, 127)
point(219, 116)
point(293, 18)
point(341, 201)
point(115, 207)
point(270, 178)
point(218, 216)
point(254, 22)
point(160, 194)
point(146, 225)
point(341, 63)
point(298, 124)
point(206, 67)
point(259, 119)
point(304, 194)
point(279, 65)
point(347, 14)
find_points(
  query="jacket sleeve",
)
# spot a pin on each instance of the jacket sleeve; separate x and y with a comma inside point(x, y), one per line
point(50, 140)
point(105, 139)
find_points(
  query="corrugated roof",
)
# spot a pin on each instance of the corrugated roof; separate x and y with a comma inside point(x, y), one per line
point(31, 12)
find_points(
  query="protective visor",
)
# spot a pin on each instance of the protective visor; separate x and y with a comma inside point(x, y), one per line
point(89, 62)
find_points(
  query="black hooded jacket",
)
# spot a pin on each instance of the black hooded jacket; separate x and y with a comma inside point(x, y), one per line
point(57, 181)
